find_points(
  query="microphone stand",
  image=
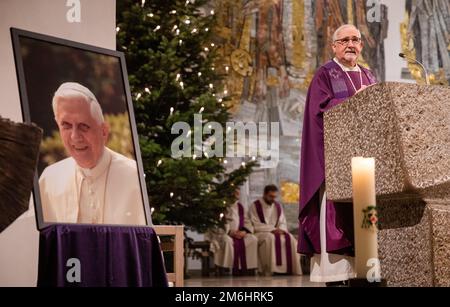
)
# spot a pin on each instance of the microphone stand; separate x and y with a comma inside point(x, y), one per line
point(427, 78)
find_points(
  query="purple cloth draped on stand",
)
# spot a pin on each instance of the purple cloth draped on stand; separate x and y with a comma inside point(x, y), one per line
point(329, 87)
point(109, 256)
point(287, 237)
point(239, 245)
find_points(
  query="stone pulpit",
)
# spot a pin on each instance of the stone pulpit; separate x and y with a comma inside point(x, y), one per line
point(406, 128)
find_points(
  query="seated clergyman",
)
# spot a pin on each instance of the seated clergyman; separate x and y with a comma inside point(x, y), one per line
point(236, 248)
point(94, 185)
point(277, 248)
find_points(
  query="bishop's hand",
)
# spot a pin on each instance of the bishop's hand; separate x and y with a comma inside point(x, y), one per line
point(363, 87)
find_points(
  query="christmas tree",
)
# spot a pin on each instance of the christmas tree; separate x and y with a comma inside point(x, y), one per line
point(170, 55)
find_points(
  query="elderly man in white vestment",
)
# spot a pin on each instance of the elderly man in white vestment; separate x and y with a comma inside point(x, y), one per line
point(95, 185)
point(236, 248)
point(277, 248)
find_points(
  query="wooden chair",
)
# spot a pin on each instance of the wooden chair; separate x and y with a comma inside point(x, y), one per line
point(177, 247)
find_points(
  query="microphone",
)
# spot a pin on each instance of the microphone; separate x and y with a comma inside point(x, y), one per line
point(427, 78)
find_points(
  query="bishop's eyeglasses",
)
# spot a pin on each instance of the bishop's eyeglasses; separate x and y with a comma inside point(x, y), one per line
point(346, 40)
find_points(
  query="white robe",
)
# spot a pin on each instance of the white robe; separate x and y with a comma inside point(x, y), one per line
point(266, 241)
point(327, 267)
point(109, 193)
point(222, 245)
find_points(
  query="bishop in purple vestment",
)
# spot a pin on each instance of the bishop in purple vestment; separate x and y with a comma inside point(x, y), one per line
point(333, 83)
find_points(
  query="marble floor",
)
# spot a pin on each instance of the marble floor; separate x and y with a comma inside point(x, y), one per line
point(252, 281)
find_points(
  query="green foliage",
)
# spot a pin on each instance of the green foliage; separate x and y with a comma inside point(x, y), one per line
point(120, 138)
point(188, 191)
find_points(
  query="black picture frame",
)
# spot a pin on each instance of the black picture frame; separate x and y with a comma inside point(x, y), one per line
point(16, 36)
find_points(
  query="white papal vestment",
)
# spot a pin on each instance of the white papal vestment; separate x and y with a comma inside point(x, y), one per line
point(109, 193)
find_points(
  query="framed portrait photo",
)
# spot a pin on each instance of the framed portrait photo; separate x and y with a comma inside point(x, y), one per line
point(90, 169)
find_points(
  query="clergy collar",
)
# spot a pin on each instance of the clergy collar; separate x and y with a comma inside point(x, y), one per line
point(265, 203)
point(100, 168)
point(345, 68)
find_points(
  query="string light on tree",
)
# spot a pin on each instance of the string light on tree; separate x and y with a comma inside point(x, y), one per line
point(138, 96)
point(201, 110)
point(186, 29)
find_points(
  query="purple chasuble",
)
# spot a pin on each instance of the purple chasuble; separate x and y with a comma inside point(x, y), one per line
point(239, 245)
point(329, 87)
point(287, 237)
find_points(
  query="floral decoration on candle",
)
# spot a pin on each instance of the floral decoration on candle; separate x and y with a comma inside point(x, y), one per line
point(370, 218)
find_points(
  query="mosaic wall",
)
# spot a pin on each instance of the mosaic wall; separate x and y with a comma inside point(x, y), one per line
point(426, 37)
point(269, 51)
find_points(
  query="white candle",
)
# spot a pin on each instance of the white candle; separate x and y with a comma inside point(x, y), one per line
point(365, 217)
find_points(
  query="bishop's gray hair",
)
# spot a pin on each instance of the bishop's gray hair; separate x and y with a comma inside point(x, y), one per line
point(76, 90)
point(335, 34)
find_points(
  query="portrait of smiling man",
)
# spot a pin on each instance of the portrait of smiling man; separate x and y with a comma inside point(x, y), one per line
point(94, 185)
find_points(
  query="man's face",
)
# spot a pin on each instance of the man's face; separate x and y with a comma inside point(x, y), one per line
point(270, 197)
point(237, 194)
point(347, 46)
point(83, 137)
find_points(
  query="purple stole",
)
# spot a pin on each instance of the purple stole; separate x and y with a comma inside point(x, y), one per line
point(239, 244)
point(337, 78)
point(287, 237)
